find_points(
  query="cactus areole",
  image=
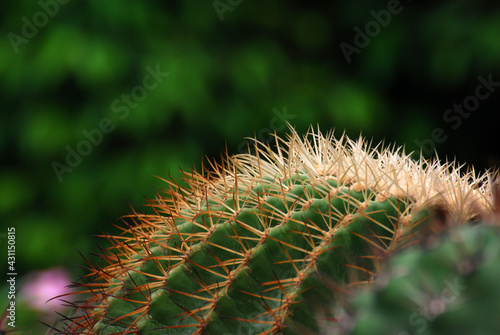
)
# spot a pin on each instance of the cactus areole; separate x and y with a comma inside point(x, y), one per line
point(258, 243)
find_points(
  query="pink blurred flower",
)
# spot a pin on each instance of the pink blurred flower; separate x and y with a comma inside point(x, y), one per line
point(41, 286)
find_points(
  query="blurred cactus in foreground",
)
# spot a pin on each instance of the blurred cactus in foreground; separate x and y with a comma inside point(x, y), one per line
point(448, 287)
point(263, 241)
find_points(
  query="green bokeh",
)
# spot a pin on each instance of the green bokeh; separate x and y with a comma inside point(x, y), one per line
point(228, 79)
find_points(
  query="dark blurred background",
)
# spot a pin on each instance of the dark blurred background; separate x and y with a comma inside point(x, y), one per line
point(99, 97)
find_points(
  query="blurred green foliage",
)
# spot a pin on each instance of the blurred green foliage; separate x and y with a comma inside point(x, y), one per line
point(232, 74)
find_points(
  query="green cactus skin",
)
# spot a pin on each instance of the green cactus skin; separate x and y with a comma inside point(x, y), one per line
point(244, 249)
point(448, 288)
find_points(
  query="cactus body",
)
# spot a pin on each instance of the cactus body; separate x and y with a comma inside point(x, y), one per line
point(256, 245)
point(449, 288)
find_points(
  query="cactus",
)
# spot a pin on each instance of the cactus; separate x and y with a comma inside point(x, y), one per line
point(256, 244)
point(450, 287)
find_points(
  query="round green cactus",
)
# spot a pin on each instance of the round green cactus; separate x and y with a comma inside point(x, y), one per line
point(256, 244)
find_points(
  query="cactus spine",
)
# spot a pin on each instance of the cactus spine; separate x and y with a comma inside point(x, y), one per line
point(254, 245)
